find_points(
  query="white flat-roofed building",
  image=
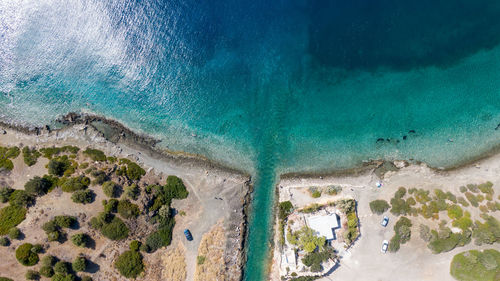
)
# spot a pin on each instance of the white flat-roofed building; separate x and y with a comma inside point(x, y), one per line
point(324, 225)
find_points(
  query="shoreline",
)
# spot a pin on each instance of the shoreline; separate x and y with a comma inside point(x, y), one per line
point(114, 131)
point(202, 176)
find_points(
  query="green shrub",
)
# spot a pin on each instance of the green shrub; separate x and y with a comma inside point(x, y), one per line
point(400, 193)
point(315, 259)
point(10, 217)
point(111, 189)
point(487, 232)
point(134, 171)
point(200, 260)
point(48, 260)
point(21, 198)
point(463, 223)
point(128, 210)
point(463, 202)
point(65, 221)
point(46, 271)
point(79, 264)
point(162, 237)
point(6, 154)
point(316, 194)
point(135, 245)
point(476, 265)
point(75, 183)
point(100, 177)
point(463, 189)
point(37, 248)
point(473, 188)
point(95, 154)
point(285, 209)
point(440, 195)
point(455, 212)
point(54, 236)
point(486, 187)
point(175, 188)
point(130, 264)
point(25, 256)
point(5, 193)
point(4, 241)
point(445, 240)
point(58, 166)
point(306, 240)
point(472, 199)
point(422, 196)
point(80, 239)
point(62, 267)
point(425, 233)
point(32, 275)
point(399, 207)
point(5, 279)
point(15, 233)
point(111, 205)
point(110, 226)
point(83, 196)
point(49, 152)
point(30, 156)
point(132, 191)
point(38, 186)
point(379, 206)
point(333, 190)
point(450, 196)
point(402, 229)
point(394, 244)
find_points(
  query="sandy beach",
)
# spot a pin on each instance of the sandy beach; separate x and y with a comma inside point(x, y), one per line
point(218, 197)
point(414, 261)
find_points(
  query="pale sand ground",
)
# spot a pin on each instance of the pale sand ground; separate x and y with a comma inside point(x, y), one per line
point(203, 182)
point(414, 261)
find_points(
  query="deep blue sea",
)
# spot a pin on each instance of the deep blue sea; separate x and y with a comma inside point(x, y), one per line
point(264, 86)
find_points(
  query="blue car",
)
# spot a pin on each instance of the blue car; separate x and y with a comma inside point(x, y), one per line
point(188, 235)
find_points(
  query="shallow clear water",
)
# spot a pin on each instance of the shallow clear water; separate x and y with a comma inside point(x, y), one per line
point(265, 87)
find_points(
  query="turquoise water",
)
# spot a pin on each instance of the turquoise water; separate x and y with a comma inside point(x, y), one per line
point(264, 87)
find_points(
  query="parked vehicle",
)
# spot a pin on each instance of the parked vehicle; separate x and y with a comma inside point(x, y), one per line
point(385, 245)
point(385, 221)
point(188, 235)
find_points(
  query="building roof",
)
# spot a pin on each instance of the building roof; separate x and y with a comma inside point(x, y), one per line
point(323, 225)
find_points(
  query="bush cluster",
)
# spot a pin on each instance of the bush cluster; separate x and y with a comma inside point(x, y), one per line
point(58, 166)
point(38, 186)
point(132, 191)
point(49, 152)
point(111, 189)
point(379, 206)
point(476, 265)
point(81, 240)
point(284, 210)
point(402, 234)
point(445, 240)
point(95, 154)
point(487, 232)
point(53, 228)
point(306, 240)
point(130, 264)
point(21, 198)
point(110, 226)
point(100, 177)
point(75, 183)
point(6, 154)
point(10, 217)
point(83, 196)
point(30, 156)
point(127, 210)
point(315, 259)
point(25, 255)
point(5, 193)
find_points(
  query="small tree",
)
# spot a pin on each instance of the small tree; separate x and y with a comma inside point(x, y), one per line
point(25, 256)
point(80, 239)
point(37, 186)
point(79, 264)
point(111, 189)
point(62, 267)
point(32, 275)
point(130, 264)
point(15, 233)
point(83, 196)
point(46, 271)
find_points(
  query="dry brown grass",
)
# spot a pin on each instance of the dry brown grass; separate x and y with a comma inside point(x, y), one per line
point(212, 248)
point(174, 264)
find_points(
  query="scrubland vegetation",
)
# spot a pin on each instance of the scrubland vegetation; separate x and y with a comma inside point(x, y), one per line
point(64, 172)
